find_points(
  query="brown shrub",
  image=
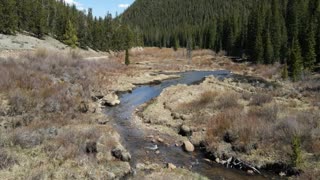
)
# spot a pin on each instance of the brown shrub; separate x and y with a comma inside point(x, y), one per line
point(246, 95)
point(6, 160)
point(206, 98)
point(242, 130)
point(26, 138)
point(54, 82)
point(315, 146)
point(220, 124)
point(309, 175)
point(259, 99)
point(73, 143)
point(228, 100)
point(41, 53)
point(268, 113)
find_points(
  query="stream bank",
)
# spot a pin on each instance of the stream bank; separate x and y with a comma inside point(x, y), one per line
point(139, 138)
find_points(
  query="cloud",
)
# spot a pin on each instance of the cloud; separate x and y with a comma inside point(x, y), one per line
point(71, 2)
point(123, 5)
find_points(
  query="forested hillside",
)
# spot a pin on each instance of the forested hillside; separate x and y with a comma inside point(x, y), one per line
point(266, 31)
point(64, 22)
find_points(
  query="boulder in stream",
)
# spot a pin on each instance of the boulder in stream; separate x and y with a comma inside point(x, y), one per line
point(188, 146)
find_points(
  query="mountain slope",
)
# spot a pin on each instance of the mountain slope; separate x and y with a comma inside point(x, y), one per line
point(162, 20)
point(266, 31)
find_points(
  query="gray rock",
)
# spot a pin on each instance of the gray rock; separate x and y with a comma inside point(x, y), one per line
point(91, 147)
point(187, 146)
point(102, 121)
point(175, 115)
point(83, 107)
point(171, 166)
point(186, 117)
point(121, 153)
point(110, 100)
point(185, 130)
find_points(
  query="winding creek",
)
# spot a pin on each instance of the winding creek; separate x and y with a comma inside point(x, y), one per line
point(134, 138)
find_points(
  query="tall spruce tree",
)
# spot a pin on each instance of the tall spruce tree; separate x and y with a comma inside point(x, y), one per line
point(70, 35)
point(38, 25)
point(8, 16)
point(295, 60)
point(268, 50)
point(275, 29)
point(310, 44)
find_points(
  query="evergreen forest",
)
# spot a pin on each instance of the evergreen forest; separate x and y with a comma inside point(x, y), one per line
point(262, 31)
point(66, 23)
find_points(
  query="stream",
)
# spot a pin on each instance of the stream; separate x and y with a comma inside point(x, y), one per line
point(134, 138)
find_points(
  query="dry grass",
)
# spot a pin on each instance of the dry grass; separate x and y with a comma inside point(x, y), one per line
point(262, 126)
point(228, 100)
point(206, 99)
point(309, 175)
point(233, 126)
point(52, 82)
point(268, 71)
point(45, 91)
point(6, 160)
point(259, 99)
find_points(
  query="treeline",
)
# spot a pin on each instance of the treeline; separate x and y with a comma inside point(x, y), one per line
point(66, 23)
point(264, 31)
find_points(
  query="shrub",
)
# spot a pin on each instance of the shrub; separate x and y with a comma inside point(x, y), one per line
point(74, 143)
point(228, 100)
point(268, 113)
point(6, 160)
point(260, 99)
point(127, 61)
point(41, 53)
point(26, 138)
point(296, 157)
point(206, 98)
point(75, 54)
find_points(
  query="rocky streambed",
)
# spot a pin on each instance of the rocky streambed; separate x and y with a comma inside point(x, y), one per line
point(156, 141)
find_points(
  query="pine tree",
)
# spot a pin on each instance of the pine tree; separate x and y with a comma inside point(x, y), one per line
point(89, 38)
point(296, 157)
point(258, 49)
point(8, 16)
point(295, 60)
point(268, 50)
point(310, 54)
point(212, 35)
point(255, 44)
point(127, 60)
point(275, 29)
point(284, 73)
point(293, 19)
point(70, 36)
point(176, 43)
point(38, 20)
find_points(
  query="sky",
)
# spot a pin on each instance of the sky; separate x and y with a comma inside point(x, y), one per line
point(101, 7)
